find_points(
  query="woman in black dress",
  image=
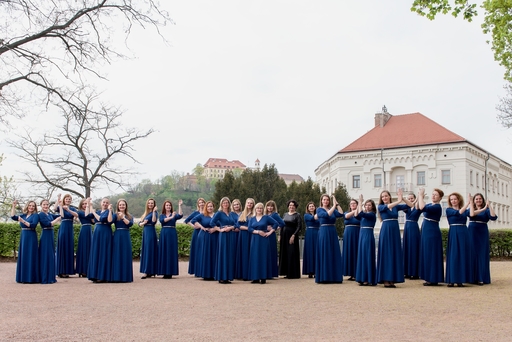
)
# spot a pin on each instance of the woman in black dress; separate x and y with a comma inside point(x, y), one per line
point(289, 256)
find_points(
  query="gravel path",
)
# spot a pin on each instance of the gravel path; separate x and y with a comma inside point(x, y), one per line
point(190, 309)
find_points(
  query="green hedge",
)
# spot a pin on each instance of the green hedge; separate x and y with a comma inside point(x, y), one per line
point(10, 238)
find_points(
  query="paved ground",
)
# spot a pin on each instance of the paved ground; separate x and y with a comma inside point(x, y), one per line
point(190, 309)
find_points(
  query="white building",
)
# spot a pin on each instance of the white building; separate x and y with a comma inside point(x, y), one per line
point(411, 151)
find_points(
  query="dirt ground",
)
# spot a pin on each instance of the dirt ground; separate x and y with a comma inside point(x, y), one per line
point(190, 309)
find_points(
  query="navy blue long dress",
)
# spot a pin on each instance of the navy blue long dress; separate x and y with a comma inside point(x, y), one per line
point(234, 241)
point(366, 268)
point(47, 248)
point(207, 245)
point(390, 260)
point(329, 268)
point(168, 246)
point(431, 248)
point(273, 245)
point(83, 250)
point(242, 251)
point(411, 243)
point(193, 244)
point(122, 256)
point(479, 237)
point(225, 268)
point(27, 267)
point(289, 254)
point(66, 244)
point(260, 256)
point(350, 245)
point(310, 244)
point(458, 250)
point(100, 261)
point(149, 252)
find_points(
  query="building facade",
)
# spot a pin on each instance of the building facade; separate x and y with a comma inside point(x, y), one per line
point(411, 151)
point(215, 168)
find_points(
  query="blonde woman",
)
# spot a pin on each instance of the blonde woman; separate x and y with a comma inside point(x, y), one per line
point(149, 252)
point(244, 241)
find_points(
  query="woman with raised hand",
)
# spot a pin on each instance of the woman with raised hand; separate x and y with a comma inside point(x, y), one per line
point(431, 249)
point(366, 269)
point(224, 223)
point(168, 244)
point(27, 266)
point(207, 244)
point(458, 250)
point(271, 210)
point(289, 254)
point(328, 257)
point(193, 242)
point(66, 238)
point(83, 249)
point(244, 241)
point(149, 252)
point(310, 240)
point(412, 239)
point(47, 243)
point(260, 263)
point(480, 213)
point(100, 261)
point(122, 257)
point(350, 241)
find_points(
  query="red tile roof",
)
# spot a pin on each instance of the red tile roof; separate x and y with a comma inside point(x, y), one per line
point(404, 130)
point(223, 163)
point(291, 177)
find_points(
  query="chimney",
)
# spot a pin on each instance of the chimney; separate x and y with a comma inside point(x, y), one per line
point(382, 118)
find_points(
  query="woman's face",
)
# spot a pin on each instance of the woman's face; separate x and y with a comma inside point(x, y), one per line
point(31, 207)
point(353, 205)
point(326, 201)
point(454, 201)
point(201, 205)
point(225, 205)
point(105, 203)
point(411, 198)
point(311, 207)
point(168, 206)
point(84, 205)
point(250, 205)
point(291, 207)
point(479, 201)
point(121, 206)
point(151, 204)
point(259, 210)
point(386, 199)
point(45, 206)
point(236, 206)
point(270, 208)
point(435, 197)
point(67, 200)
point(209, 208)
point(368, 206)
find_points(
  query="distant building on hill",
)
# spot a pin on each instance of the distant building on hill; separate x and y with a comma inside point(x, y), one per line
point(216, 167)
point(410, 151)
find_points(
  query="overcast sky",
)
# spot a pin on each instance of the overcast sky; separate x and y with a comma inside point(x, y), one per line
point(293, 82)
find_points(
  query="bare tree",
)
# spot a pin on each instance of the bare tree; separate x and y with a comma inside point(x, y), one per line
point(504, 108)
point(48, 48)
point(80, 154)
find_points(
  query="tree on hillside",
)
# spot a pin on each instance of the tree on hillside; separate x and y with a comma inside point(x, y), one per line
point(49, 48)
point(497, 23)
point(83, 152)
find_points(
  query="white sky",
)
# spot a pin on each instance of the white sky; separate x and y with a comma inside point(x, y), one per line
point(293, 82)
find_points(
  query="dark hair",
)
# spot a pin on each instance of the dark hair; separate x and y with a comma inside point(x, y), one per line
point(307, 206)
point(163, 206)
point(294, 203)
point(322, 197)
point(374, 207)
point(380, 196)
point(440, 192)
point(483, 200)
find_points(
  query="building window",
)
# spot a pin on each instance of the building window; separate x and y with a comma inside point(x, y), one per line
point(445, 177)
point(471, 177)
point(477, 179)
point(356, 181)
point(420, 177)
point(377, 180)
point(498, 186)
point(483, 182)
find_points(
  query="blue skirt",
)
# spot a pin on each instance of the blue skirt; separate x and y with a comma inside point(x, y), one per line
point(168, 252)
point(100, 262)
point(390, 260)
point(309, 253)
point(193, 252)
point(349, 251)
point(83, 250)
point(27, 267)
point(366, 268)
point(198, 254)
point(47, 256)
point(122, 258)
point(260, 263)
point(458, 256)
point(242, 255)
point(479, 238)
point(328, 256)
point(209, 255)
point(411, 247)
point(66, 248)
point(225, 268)
point(149, 252)
point(431, 253)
